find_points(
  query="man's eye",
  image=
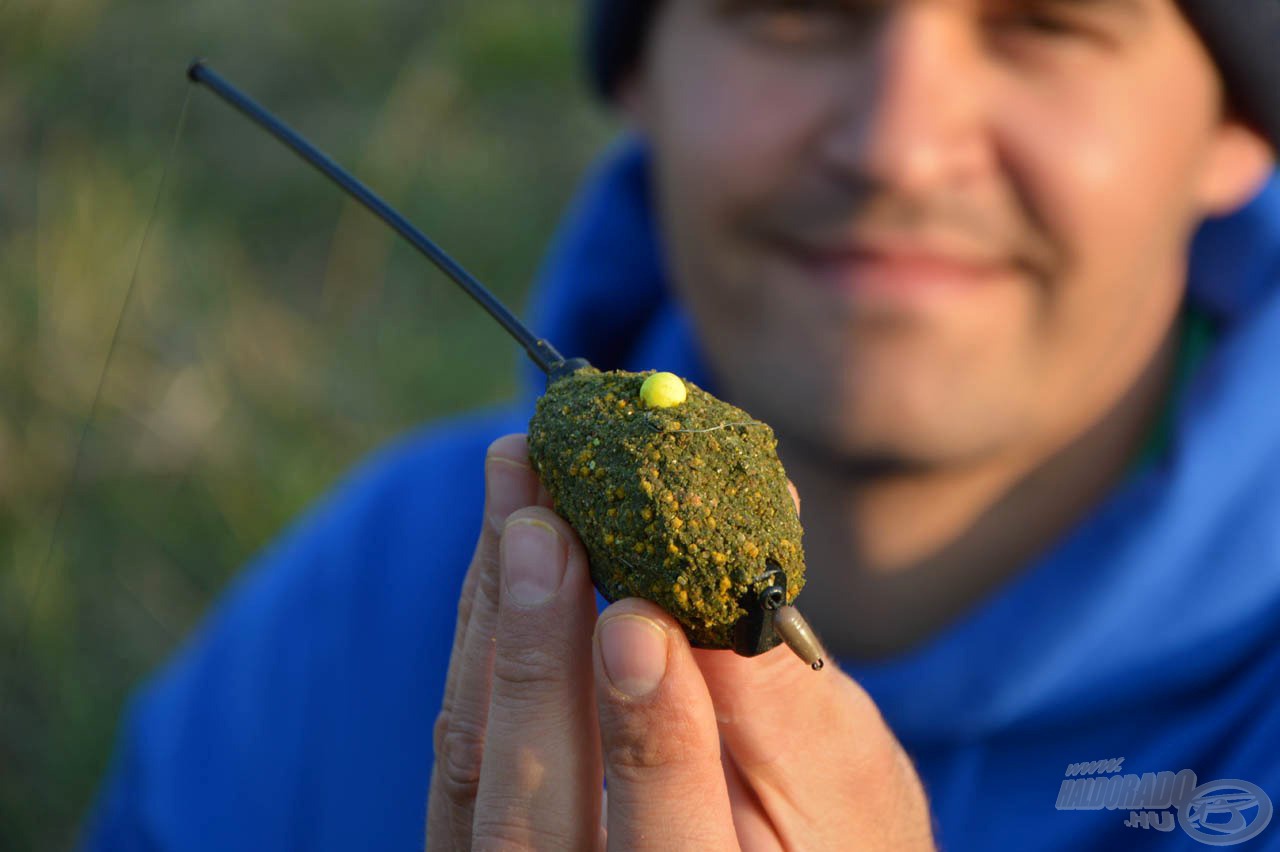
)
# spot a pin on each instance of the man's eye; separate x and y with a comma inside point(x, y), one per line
point(799, 23)
point(1044, 19)
point(1035, 23)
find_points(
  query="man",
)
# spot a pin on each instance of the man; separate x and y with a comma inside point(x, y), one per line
point(941, 246)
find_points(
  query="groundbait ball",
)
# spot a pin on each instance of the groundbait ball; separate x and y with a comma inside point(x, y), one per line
point(678, 497)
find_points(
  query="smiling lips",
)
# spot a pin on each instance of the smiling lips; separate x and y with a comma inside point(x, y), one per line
point(897, 272)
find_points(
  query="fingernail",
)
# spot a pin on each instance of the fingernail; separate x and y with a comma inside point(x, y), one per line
point(634, 652)
point(533, 561)
point(506, 486)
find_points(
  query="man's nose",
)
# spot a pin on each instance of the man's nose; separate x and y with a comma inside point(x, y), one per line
point(913, 118)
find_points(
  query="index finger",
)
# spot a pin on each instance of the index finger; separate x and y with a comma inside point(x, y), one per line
point(510, 484)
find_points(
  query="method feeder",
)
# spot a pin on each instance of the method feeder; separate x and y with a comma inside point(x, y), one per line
point(664, 492)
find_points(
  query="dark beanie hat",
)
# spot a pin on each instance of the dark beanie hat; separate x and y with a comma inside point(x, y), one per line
point(1242, 35)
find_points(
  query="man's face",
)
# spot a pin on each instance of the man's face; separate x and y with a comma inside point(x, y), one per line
point(928, 231)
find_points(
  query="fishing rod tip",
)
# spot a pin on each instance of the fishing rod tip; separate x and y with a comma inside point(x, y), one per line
point(195, 69)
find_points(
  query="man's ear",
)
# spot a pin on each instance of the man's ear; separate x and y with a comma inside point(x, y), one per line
point(1240, 161)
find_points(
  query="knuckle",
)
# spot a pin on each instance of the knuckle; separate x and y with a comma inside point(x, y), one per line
point(876, 750)
point(645, 749)
point(522, 669)
point(438, 732)
point(487, 579)
point(503, 834)
point(633, 758)
point(465, 601)
point(880, 758)
point(460, 759)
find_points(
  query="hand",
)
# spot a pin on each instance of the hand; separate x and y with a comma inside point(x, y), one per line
point(701, 749)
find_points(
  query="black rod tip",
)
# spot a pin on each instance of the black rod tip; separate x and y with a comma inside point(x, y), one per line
point(195, 71)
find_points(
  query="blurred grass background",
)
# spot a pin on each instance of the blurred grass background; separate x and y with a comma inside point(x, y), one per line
point(276, 333)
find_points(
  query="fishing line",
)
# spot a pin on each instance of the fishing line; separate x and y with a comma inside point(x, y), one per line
point(78, 456)
point(648, 419)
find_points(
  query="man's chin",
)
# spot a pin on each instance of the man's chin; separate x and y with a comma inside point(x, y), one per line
point(852, 455)
point(853, 450)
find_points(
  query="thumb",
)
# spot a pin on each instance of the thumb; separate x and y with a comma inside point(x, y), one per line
point(778, 715)
point(815, 750)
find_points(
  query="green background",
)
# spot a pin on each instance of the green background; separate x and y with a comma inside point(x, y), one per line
point(276, 332)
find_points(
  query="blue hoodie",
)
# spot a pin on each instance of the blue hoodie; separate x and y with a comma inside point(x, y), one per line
point(1143, 644)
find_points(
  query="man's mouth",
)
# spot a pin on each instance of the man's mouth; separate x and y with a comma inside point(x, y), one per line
point(896, 272)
